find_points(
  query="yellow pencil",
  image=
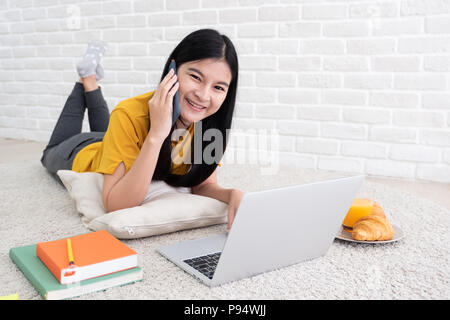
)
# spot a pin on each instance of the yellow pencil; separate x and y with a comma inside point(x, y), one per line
point(10, 297)
point(70, 252)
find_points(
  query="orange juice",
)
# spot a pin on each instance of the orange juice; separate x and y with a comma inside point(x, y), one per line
point(358, 209)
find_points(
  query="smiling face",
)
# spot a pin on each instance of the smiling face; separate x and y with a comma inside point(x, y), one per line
point(205, 84)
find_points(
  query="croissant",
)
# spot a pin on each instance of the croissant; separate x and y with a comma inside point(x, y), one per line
point(373, 227)
point(377, 210)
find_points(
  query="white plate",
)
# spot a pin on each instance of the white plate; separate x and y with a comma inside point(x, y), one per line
point(347, 236)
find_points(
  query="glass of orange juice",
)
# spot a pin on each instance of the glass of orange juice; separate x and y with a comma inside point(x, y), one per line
point(358, 209)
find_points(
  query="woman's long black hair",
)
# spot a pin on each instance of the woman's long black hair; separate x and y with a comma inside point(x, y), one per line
point(201, 44)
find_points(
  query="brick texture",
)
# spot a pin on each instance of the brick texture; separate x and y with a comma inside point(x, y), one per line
point(357, 86)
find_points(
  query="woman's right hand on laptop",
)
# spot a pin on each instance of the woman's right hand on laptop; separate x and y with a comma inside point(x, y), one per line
point(233, 204)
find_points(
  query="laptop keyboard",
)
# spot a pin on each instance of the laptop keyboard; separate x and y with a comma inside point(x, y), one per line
point(205, 264)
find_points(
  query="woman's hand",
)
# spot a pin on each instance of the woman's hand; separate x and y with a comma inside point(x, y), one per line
point(233, 204)
point(160, 106)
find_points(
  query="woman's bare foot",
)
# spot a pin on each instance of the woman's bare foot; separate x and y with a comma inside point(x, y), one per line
point(89, 83)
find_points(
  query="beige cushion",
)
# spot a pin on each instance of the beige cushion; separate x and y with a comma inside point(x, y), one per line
point(165, 209)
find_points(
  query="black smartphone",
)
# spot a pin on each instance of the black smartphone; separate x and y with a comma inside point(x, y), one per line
point(176, 99)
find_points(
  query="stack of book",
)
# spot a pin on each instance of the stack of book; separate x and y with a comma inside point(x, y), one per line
point(77, 265)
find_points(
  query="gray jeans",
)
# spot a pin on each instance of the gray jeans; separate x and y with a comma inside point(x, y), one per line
point(67, 139)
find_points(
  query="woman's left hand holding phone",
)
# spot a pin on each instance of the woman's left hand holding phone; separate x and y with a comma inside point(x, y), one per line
point(161, 107)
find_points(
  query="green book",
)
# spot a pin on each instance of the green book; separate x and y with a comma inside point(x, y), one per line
point(49, 287)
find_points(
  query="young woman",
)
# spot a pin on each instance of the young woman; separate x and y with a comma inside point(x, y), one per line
point(133, 146)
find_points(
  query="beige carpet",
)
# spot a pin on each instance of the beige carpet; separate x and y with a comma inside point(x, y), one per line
point(35, 208)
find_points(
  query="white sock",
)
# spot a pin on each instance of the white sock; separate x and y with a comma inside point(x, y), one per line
point(99, 73)
point(91, 59)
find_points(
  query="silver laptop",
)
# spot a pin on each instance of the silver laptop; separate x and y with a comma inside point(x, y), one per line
point(272, 229)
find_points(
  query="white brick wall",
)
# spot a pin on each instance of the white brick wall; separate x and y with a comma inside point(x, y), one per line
point(355, 85)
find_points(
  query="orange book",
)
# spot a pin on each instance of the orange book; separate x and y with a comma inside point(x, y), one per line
point(95, 254)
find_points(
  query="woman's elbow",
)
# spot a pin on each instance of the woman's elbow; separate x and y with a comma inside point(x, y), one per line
point(110, 207)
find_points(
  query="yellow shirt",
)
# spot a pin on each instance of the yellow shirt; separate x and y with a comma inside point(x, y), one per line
point(128, 127)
